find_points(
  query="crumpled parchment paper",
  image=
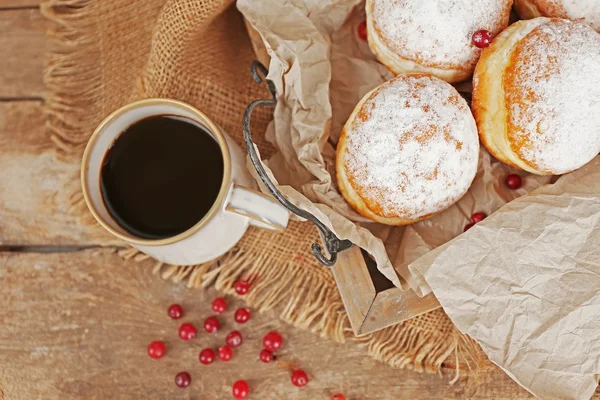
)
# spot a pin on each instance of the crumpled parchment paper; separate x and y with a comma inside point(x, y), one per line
point(525, 282)
point(321, 69)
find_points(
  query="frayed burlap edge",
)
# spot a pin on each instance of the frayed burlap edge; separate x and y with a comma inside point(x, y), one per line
point(308, 300)
point(72, 80)
point(72, 74)
point(312, 302)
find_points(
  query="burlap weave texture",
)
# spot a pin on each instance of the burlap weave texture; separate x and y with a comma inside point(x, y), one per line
point(105, 54)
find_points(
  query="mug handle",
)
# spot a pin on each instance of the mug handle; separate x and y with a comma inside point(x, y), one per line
point(262, 210)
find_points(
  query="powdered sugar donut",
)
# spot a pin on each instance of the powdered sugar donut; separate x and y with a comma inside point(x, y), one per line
point(408, 151)
point(588, 10)
point(431, 36)
point(536, 95)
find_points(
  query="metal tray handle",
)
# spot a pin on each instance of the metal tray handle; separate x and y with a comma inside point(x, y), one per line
point(334, 244)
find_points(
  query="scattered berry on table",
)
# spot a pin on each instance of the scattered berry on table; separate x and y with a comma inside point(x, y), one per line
point(242, 315)
point(242, 287)
point(478, 217)
point(219, 305)
point(362, 30)
point(211, 324)
point(266, 356)
point(338, 396)
point(187, 331)
point(468, 226)
point(299, 378)
point(156, 349)
point(183, 379)
point(207, 356)
point(240, 389)
point(272, 341)
point(513, 181)
point(175, 311)
point(482, 38)
point(225, 353)
point(233, 339)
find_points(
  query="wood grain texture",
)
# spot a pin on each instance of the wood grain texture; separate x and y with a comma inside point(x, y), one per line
point(355, 285)
point(35, 186)
point(23, 45)
point(393, 306)
point(9, 4)
point(76, 325)
point(371, 309)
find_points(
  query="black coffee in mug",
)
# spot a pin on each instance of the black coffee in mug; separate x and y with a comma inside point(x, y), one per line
point(161, 176)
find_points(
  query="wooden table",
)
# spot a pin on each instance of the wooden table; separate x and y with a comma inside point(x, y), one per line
point(76, 319)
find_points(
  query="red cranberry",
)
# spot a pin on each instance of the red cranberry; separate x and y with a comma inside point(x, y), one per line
point(156, 349)
point(240, 389)
point(338, 396)
point(211, 324)
point(482, 38)
point(513, 181)
point(207, 356)
point(234, 339)
point(183, 379)
point(242, 315)
point(362, 30)
point(299, 378)
point(187, 331)
point(219, 305)
point(468, 226)
point(478, 217)
point(175, 311)
point(225, 353)
point(272, 341)
point(266, 356)
point(242, 287)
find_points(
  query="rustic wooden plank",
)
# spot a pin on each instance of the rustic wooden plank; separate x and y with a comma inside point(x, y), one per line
point(77, 326)
point(8, 4)
point(23, 45)
point(371, 308)
point(35, 186)
point(393, 306)
point(355, 285)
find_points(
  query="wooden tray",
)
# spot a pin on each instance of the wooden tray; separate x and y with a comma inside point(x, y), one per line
point(371, 300)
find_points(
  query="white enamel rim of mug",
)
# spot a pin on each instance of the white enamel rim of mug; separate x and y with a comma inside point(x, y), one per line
point(205, 122)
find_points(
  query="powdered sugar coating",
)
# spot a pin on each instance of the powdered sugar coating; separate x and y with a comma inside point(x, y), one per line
point(588, 9)
point(438, 33)
point(573, 9)
point(412, 147)
point(552, 91)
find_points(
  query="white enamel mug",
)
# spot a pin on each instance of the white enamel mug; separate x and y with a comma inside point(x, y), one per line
point(237, 205)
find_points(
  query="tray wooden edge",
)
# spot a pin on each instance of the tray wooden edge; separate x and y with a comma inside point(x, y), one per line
point(369, 310)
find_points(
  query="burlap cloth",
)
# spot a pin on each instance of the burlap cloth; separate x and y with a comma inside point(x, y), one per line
point(106, 53)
